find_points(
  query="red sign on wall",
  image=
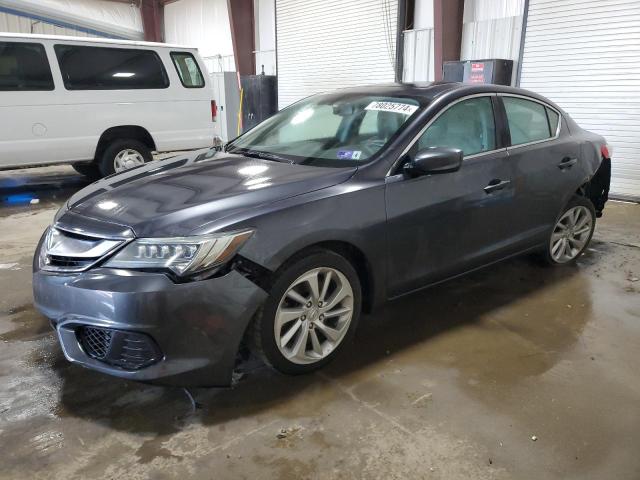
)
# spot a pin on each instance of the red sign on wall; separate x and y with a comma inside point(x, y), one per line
point(477, 73)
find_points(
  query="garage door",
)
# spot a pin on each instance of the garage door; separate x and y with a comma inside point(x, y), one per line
point(327, 44)
point(585, 55)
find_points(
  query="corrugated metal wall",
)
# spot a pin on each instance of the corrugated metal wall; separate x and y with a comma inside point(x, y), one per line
point(95, 18)
point(18, 24)
point(583, 54)
point(418, 58)
point(492, 29)
point(327, 44)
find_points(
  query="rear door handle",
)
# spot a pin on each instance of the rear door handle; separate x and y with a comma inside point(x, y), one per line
point(496, 184)
point(567, 162)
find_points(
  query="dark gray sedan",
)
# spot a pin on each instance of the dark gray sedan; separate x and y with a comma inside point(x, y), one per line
point(332, 206)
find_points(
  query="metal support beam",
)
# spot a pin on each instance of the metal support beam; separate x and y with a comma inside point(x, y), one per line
point(447, 30)
point(523, 36)
point(152, 12)
point(402, 25)
point(242, 35)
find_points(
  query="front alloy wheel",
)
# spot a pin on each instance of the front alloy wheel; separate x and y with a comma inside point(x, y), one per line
point(314, 315)
point(311, 312)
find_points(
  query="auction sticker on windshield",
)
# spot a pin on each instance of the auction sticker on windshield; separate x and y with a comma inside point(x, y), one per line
point(396, 107)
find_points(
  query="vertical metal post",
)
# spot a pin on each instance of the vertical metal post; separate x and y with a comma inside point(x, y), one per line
point(523, 35)
point(402, 23)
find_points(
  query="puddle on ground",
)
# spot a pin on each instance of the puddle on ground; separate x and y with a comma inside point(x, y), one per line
point(28, 325)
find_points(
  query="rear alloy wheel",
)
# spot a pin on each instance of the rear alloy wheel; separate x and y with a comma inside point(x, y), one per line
point(310, 314)
point(572, 232)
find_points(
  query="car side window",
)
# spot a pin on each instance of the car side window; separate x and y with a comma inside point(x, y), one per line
point(554, 118)
point(468, 125)
point(24, 67)
point(528, 120)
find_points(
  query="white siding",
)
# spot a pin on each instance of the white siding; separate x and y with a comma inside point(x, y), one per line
point(418, 45)
point(102, 18)
point(583, 54)
point(328, 44)
point(19, 24)
point(492, 29)
point(203, 24)
point(265, 35)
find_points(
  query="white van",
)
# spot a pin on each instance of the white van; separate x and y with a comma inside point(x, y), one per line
point(101, 105)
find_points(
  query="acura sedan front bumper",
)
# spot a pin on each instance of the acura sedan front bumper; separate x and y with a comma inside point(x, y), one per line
point(143, 326)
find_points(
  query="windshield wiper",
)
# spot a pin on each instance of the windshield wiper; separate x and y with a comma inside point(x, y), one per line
point(265, 156)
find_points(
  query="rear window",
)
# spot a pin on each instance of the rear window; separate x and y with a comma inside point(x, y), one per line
point(100, 68)
point(554, 118)
point(24, 67)
point(188, 70)
point(528, 120)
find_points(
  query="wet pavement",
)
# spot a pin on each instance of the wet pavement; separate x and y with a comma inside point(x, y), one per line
point(518, 371)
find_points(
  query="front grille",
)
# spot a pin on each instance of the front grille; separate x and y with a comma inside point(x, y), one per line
point(68, 263)
point(96, 341)
point(120, 348)
point(65, 251)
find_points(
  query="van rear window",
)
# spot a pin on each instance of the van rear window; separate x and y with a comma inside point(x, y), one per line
point(24, 67)
point(103, 68)
point(188, 70)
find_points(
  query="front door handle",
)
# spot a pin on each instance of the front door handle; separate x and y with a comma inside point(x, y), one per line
point(567, 162)
point(495, 185)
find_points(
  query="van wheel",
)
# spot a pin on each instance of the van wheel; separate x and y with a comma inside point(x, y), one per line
point(89, 170)
point(311, 313)
point(121, 155)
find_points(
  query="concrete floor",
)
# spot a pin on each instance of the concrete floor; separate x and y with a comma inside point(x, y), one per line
point(455, 382)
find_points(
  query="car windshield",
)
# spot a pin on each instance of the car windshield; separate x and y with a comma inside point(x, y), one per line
point(328, 130)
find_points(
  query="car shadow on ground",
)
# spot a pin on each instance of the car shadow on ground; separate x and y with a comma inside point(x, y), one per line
point(410, 326)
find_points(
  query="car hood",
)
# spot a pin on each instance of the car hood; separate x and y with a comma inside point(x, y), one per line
point(179, 195)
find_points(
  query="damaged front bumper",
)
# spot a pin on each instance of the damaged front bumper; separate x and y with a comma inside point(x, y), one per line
point(142, 326)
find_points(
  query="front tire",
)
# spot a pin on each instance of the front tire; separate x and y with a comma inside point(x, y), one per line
point(123, 154)
point(572, 232)
point(311, 313)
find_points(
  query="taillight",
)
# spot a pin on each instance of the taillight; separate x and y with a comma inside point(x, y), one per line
point(214, 110)
point(606, 151)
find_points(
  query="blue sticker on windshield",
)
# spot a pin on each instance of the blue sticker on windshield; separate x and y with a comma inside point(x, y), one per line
point(349, 154)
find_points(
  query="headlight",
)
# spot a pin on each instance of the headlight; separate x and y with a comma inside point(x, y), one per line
point(182, 255)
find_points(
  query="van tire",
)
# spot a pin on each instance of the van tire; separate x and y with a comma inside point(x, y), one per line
point(106, 162)
point(89, 170)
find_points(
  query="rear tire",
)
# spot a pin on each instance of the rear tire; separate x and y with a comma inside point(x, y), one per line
point(572, 232)
point(123, 154)
point(300, 332)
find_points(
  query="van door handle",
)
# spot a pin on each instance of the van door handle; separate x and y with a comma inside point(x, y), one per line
point(495, 185)
point(567, 162)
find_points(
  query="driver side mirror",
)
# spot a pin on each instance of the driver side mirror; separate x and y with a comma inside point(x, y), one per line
point(435, 160)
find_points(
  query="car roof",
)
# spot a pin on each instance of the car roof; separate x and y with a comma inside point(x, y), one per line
point(428, 91)
point(108, 41)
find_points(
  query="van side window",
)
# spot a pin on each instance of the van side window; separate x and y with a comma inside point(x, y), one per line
point(24, 67)
point(104, 68)
point(188, 70)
